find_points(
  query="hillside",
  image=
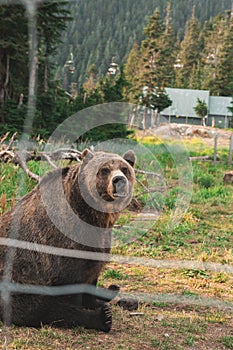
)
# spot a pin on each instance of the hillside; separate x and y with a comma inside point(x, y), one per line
point(103, 29)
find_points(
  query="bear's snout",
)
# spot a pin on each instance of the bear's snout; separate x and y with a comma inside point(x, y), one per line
point(119, 183)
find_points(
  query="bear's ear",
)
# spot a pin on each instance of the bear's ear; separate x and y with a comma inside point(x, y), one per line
point(86, 155)
point(130, 157)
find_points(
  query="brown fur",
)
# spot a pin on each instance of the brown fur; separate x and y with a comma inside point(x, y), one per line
point(73, 208)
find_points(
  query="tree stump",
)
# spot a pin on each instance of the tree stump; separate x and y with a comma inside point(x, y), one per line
point(228, 177)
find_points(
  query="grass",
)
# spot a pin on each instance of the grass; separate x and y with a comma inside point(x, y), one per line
point(227, 341)
point(156, 328)
point(183, 306)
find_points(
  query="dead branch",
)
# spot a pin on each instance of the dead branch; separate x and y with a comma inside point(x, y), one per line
point(6, 155)
point(12, 139)
point(20, 160)
point(200, 158)
point(53, 165)
point(160, 189)
point(146, 191)
point(64, 154)
point(148, 173)
point(4, 137)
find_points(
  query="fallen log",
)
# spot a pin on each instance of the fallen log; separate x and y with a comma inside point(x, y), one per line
point(200, 158)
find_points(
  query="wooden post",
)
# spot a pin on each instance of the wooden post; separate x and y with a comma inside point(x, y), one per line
point(215, 148)
point(230, 151)
point(213, 122)
point(144, 119)
point(225, 122)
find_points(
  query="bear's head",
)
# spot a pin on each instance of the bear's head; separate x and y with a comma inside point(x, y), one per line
point(106, 180)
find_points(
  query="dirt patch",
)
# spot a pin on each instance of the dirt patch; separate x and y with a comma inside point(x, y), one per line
point(187, 131)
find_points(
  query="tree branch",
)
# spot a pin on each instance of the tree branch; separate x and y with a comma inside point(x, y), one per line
point(7, 154)
point(22, 163)
point(147, 173)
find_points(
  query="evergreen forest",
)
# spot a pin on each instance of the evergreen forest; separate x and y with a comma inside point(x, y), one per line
point(61, 53)
point(104, 29)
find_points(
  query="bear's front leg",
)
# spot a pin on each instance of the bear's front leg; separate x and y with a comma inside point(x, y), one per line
point(62, 311)
point(65, 314)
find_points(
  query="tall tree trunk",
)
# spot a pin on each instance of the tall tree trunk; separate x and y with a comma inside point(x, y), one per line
point(5, 92)
point(46, 85)
point(7, 78)
point(33, 63)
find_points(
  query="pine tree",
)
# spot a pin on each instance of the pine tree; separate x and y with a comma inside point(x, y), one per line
point(132, 69)
point(168, 52)
point(224, 73)
point(212, 36)
point(154, 73)
point(201, 110)
point(195, 79)
point(206, 60)
point(112, 88)
point(189, 54)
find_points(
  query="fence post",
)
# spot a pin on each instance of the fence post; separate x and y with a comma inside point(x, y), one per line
point(230, 151)
point(215, 148)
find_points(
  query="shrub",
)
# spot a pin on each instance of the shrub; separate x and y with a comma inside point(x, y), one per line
point(206, 181)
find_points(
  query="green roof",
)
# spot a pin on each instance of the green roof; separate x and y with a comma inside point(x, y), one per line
point(184, 101)
point(219, 104)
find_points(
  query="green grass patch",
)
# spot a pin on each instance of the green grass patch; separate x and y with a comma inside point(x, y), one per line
point(227, 341)
point(113, 274)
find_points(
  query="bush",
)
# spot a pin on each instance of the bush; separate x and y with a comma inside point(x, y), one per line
point(206, 181)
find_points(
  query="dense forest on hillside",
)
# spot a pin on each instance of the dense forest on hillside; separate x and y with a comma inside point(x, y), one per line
point(201, 60)
point(185, 47)
point(103, 29)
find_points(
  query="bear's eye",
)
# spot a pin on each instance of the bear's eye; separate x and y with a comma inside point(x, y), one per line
point(105, 171)
point(125, 170)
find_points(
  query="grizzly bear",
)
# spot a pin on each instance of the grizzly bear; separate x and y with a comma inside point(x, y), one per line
point(65, 226)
